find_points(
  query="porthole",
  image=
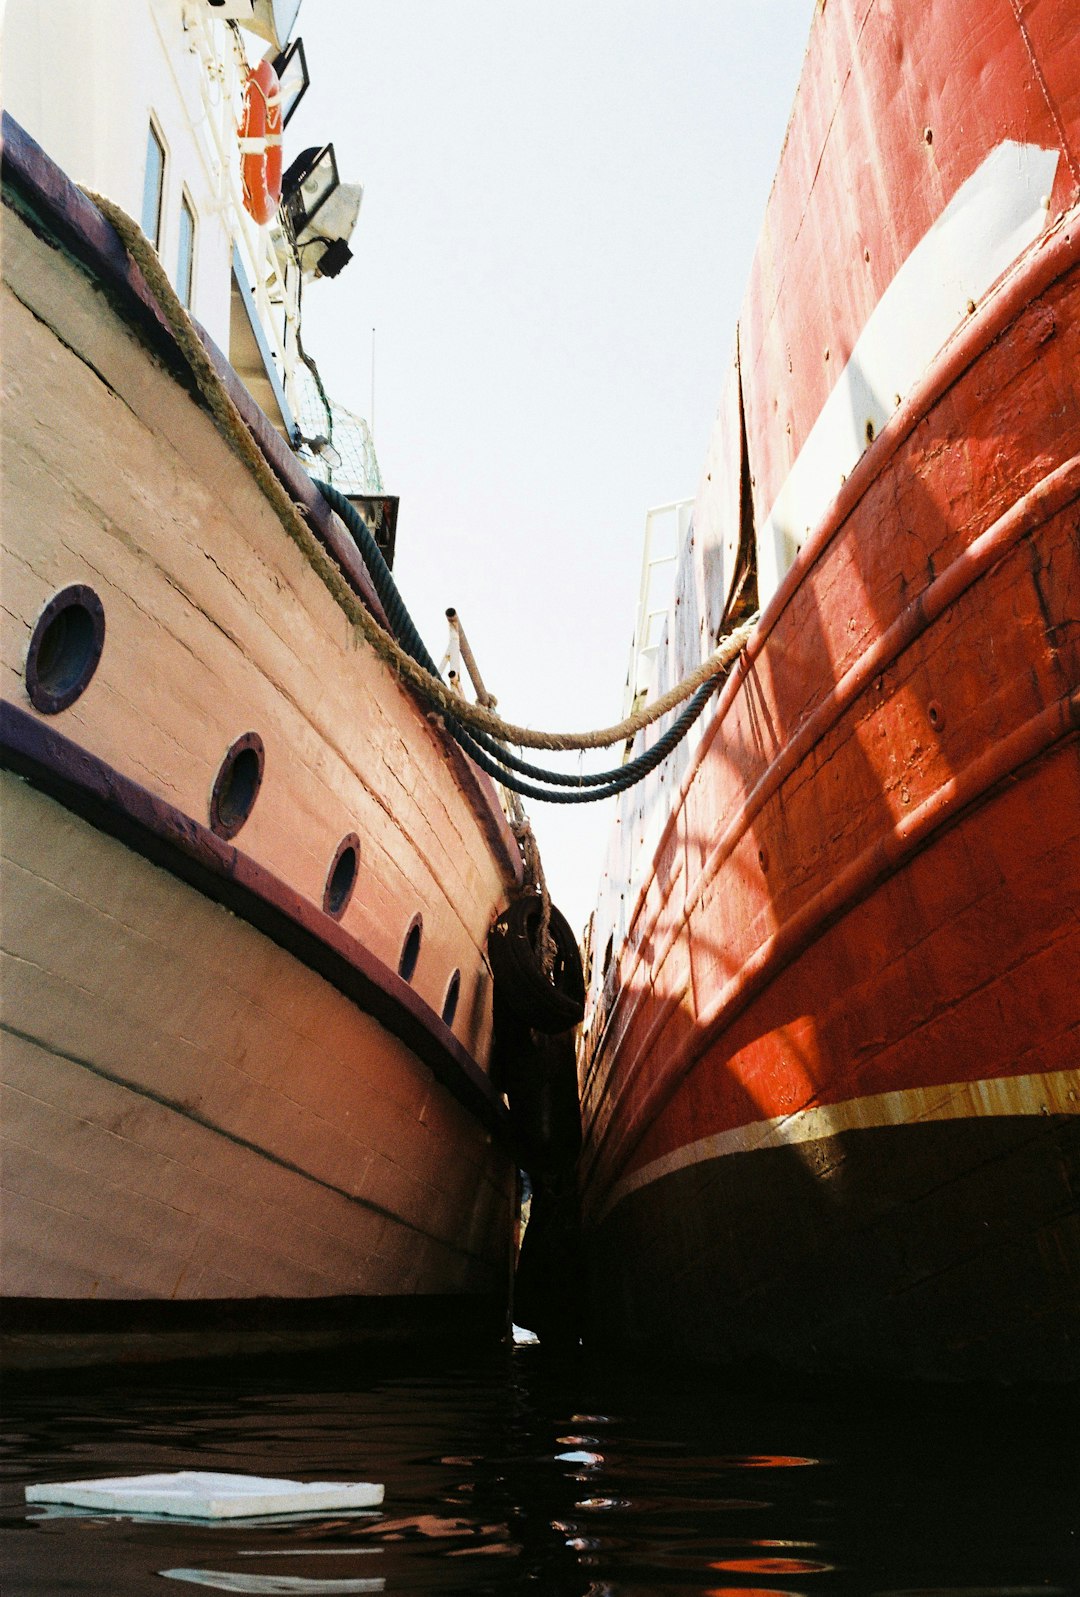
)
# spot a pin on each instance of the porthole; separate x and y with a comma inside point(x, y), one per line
point(237, 785)
point(410, 949)
point(65, 649)
point(450, 1002)
point(341, 877)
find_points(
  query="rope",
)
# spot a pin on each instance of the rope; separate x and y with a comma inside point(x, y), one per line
point(413, 662)
point(422, 671)
point(628, 775)
point(486, 751)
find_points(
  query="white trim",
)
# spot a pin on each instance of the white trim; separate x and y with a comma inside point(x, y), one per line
point(997, 213)
point(1056, 1092)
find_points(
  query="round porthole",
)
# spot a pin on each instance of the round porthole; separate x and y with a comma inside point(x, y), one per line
point(65, 649)
point(450, 1002)
point(410, 949)
point(341, 877)
point(237, 785)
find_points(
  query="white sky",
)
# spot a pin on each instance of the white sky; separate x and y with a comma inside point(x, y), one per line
point(561, 206)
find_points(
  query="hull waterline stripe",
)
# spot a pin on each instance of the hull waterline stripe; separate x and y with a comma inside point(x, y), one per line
point(155, 829)
point(1056, 1092)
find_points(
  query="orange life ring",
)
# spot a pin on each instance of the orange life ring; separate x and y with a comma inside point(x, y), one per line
point(260, 143)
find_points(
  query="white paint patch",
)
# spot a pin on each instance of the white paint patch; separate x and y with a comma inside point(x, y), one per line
point(1054, 1093)
point(997, 213)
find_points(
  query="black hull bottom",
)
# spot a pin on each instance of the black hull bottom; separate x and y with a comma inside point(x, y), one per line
point(55, 1333)
point(947, 1250)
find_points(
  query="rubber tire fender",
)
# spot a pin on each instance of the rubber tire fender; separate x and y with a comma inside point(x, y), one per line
point(547, 1005)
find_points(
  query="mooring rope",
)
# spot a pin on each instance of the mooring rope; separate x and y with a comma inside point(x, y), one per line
point(415, 664)
point(483, 748)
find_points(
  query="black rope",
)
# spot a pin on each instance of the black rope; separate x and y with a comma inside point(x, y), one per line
point(487, 752)
point(634, 771)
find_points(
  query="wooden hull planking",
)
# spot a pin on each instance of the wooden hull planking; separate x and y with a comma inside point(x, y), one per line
point(203, 1108)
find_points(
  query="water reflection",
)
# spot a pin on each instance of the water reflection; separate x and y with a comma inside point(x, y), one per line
point(515, 1475)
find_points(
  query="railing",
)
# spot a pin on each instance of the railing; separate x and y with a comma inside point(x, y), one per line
point(666, 527)
point(273, 277)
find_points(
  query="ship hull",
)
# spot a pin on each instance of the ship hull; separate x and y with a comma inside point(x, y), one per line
point(832, 1076)
point(246, 1100)
point(899, 1194)
point(255, 1154)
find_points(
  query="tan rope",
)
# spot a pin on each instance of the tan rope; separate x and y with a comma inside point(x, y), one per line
point(291, 515)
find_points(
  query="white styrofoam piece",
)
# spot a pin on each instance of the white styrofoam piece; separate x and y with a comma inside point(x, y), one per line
point(205, 1494)
point(272, 1585)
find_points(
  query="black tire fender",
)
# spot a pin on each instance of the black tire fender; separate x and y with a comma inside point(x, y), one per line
point(547, 1004)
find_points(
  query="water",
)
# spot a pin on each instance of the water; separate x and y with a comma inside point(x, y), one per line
point(513, 1475)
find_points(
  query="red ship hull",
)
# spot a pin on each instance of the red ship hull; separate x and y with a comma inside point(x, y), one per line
point(831, 1079)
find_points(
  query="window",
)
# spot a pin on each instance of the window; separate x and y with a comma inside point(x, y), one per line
point(185, 255)
point(237, 784)
point(65, 649)
point(153, 187)
point(450, 1002)
point(410, 951)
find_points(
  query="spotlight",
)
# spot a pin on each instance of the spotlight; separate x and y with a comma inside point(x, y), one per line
point(291, 68)
point(321, 211)
point(272, 20)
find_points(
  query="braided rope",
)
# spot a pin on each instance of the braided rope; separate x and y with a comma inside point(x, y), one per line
point(234, 429)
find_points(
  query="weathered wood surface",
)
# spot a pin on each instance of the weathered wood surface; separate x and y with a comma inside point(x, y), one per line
point(217, 626)
point(189, 1112)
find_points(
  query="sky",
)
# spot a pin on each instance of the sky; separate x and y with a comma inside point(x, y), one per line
point(561, 204)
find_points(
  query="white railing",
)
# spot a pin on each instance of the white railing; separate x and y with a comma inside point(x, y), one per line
point(272, 274)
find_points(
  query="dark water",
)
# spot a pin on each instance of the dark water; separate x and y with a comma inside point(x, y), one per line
point(510, 1475)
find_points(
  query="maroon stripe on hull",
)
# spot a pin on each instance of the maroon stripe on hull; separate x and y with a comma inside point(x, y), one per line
point(163, 834)
point(942, 1251)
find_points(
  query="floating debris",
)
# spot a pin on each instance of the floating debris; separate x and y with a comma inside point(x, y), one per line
point(205, 1494)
